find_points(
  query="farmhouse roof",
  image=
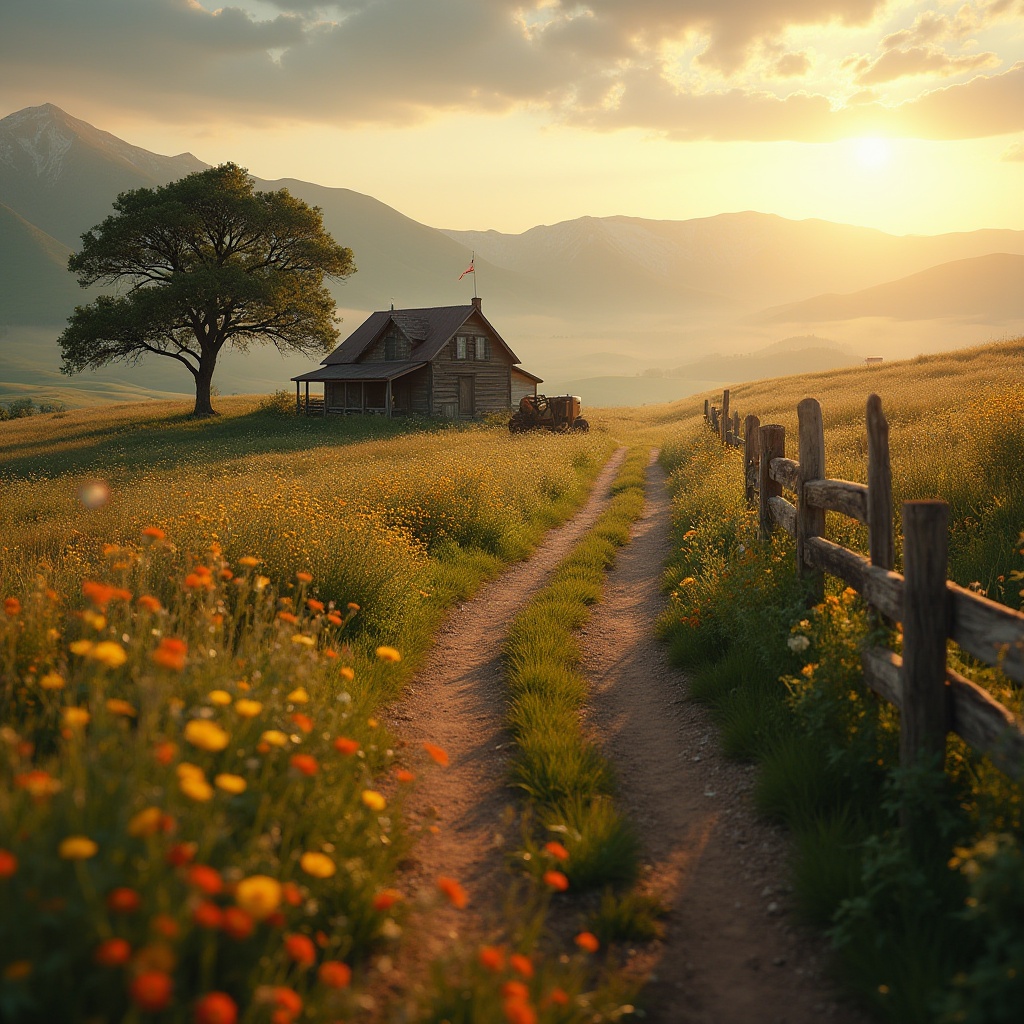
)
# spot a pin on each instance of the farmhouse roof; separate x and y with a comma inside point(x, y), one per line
point(527, 375)
point(429, 330)
point(361, 371)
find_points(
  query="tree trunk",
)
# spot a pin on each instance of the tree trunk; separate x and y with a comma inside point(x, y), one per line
point(204, 386)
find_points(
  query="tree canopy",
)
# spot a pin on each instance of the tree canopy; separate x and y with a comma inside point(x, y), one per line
point(204, 262)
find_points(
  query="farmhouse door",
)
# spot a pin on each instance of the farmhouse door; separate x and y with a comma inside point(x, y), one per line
point(466, 396)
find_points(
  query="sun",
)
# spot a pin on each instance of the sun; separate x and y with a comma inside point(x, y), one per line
point(873, 153)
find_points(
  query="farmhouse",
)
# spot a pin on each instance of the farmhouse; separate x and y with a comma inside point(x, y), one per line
point(440, 361)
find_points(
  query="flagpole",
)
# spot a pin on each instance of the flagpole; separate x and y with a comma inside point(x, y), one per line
point(473, 264)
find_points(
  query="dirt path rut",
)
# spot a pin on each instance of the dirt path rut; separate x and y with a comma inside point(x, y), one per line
point(731, 954)
point(457, 701)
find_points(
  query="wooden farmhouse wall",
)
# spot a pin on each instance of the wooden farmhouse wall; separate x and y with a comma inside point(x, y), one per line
point(490, 379)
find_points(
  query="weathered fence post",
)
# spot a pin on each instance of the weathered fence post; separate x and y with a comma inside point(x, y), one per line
point(772, 445)
point(810, 521)
point(923, 722)
point(725, 415)
point(751, 427)
point(736, 429)
point(881, 544)
point(707, 411)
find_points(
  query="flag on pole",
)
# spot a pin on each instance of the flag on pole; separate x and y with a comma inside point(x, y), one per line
point(469, 270)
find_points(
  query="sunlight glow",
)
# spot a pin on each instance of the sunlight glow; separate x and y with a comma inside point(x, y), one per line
point(873, 153)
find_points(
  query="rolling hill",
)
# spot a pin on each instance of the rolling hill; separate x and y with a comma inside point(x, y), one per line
point(578, 299)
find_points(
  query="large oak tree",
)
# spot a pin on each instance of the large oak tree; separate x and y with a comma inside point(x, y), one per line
point(204, 262)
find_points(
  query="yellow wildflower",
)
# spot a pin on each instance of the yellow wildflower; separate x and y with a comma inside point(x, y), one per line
point(80, 647)
point(258, 895)
point(301, 638)
point(187, 770)
point(195, 787)
point(146, 823)
point(52, 681)
point(319, 865)
point(389, 654)
point(275, 738)
point(298, 696)
point(230, 783)
point(220, 697)
point(374, 800)
point(76, 717)
point(248, 708)
point(346, 673)
point(116, 706)
point(206, 735)
point(109, 653)
point(248, 561)
point(77, 848)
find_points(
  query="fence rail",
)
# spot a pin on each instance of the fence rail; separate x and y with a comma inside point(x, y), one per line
point(933, 699)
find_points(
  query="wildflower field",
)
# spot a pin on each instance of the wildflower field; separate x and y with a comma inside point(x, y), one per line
point(928, 917)
point(200, 817)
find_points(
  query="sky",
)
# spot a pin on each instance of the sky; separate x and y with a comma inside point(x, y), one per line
point(901, 115)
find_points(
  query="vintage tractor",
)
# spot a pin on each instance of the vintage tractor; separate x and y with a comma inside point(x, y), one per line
point(538, 412)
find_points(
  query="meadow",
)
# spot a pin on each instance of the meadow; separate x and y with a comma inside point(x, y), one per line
point(201, 816)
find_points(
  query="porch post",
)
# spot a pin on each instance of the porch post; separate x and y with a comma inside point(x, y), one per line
point(307, 397)
point(298, 399)
point(387, 400)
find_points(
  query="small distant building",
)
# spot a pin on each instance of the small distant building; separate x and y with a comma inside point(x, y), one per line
point(444, 361)
point(872, 360)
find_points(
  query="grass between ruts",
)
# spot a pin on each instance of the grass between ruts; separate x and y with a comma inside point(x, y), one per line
point(927, 920)
point(199, 814)
point(575, 838)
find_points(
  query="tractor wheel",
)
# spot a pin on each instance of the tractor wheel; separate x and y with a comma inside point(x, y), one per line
point(581, 425)
point(516, 424)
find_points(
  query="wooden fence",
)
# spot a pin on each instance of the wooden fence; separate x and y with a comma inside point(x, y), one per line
point(932, 698)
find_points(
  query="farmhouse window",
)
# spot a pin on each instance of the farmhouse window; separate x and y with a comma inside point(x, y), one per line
point(483, 348)
point(390, 348)
point(461, 347)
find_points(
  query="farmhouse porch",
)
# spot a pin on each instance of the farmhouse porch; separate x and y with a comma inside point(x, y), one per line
point(358, 388)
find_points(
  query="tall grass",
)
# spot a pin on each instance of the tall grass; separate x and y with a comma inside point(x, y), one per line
point(913, 910)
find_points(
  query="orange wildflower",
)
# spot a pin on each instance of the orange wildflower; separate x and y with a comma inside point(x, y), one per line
point(123, 900)
point(588, 942)
point(343, 745)
point(37, 783)
point(208, 915)
point(436, 753)
point(12, 606)
point(521, 965)
point(8, 864)
point(556, 880)
point(335, 619)
point(300, 948)
point(335, 974)
point(100, 594)
point(237, 923)
point(404, 775)
point(492, 958)
point(303, 722)
point(453, 891)
point(206, 879)
point(290, 617)
point(314, 605)
point(346, 673)
point(170, 653)
point(304, 764)
point(164, 752)
point(153, 533)
point(112, 953)
point(304, 577)
point(386, 899)
point(292, 894)
point(248, 561)
point(557, 850)
point(200, 579)
point(558, 997)
point(165, 925)
point(151, 990)
point(518, 1012)
point(515, 990)
point(216, 1008)
point(287, 999)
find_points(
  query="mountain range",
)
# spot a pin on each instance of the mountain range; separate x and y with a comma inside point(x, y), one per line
point(612, 296)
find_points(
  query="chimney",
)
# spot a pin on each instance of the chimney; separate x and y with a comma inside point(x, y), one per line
point(476, 301)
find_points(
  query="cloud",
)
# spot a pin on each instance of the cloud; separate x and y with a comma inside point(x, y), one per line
point(603, 64)
point(920, 60)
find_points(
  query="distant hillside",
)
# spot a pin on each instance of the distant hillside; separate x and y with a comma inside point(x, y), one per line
point(35, 286)
point(988, 288)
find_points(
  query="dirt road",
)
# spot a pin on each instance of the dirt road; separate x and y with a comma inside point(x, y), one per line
point(730, 953)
